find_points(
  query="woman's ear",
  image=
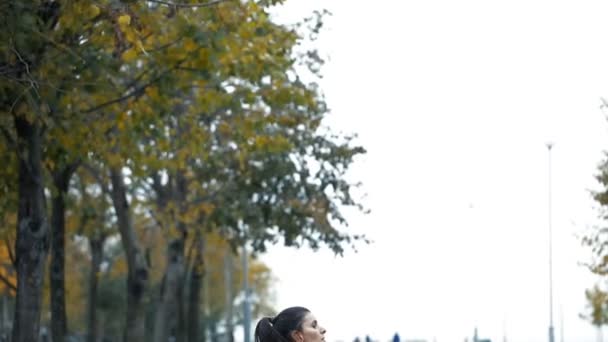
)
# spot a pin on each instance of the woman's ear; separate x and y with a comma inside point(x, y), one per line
point(297, 336)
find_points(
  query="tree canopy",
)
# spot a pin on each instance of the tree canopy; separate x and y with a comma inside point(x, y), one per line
point(158, 123)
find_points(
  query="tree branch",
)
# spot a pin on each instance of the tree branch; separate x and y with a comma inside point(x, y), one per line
point(138, 78)
point(189, 257)
point(135, 92)
point(11, 254)
point(84, 219)
point(32, 81)
point(157, 220)
point(60, 47)
point(95, 173)
point(181, 4)
point(9, 139)
point(8, 283)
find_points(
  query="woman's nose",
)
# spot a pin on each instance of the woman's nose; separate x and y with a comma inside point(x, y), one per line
point(323, 330)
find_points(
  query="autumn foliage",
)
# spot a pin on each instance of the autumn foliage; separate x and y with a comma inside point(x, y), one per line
point(144, 143)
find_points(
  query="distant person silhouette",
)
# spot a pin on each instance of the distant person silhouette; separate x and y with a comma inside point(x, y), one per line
point(396, 338)
point(295, 324)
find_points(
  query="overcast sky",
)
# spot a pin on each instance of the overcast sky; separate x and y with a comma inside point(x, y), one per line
point(454, 101)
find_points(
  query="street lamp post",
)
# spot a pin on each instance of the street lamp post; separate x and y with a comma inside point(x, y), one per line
point(551, 330)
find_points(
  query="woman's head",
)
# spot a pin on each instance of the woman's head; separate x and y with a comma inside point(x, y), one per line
point(295, 324)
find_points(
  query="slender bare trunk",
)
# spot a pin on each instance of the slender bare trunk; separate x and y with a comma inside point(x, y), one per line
point(101, 328)
point(228, 269)
point(137, 275)
point(170, 292)
point(59, 324)
point(57, 279)
point(194, 300)
point(213, 330)
point(170, 314)
point(205, 326)
point(32, 243)
point(96, 244)
point(4, 319)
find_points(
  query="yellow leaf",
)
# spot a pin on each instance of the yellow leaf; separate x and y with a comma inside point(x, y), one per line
point(124, 20)
point(224, 128)
point(66, 20)
point(94, 11)
point(203, 57)
point(119, 268)
point(189, 44)
point(152, 92)
point(175, 53)
point(207, 208)
point(140, 45)
point(121, 121)
point(129, 55)
point(130, 35)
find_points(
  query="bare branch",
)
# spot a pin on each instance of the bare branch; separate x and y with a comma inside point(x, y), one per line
point(9, 139)
point(8, 283)
point(189, 254)
point(181, 4)
point(18, 98)
point(156, 219)
point(97, 176)
point(164, 46)
point(135, 92)
point(31, 80)
point(11, 254)
point(59, 46)
point(83, 224)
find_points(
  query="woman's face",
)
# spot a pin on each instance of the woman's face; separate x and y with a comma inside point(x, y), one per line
point(311, 330)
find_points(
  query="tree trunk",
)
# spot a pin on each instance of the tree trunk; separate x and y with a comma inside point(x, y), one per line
point(194, 300)
point(101, 328)
point(32, 245)
point(4, 319)
point(228, 270)
point(170, 313)
point(212, 326)
point(96, 257)
point(59, 325)
point(204, 331)
point(137, 275)
point(171, 294)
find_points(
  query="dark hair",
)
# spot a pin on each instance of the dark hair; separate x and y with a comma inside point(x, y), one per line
point(280, 327)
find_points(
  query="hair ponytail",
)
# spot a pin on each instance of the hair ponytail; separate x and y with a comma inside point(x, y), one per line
point(265, 332)
point(279, 328)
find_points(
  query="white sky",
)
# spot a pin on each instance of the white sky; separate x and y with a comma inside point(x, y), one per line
point(454, 101)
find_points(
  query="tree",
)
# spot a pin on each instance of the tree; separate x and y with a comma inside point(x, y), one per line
point(61, 175)
point(28, 98)
point(597, 306)
point(597, 241)
point(223, 288)
point(91, 215)
point(32, 231)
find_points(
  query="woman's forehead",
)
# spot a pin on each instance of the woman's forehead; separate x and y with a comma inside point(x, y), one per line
point(309, 317)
